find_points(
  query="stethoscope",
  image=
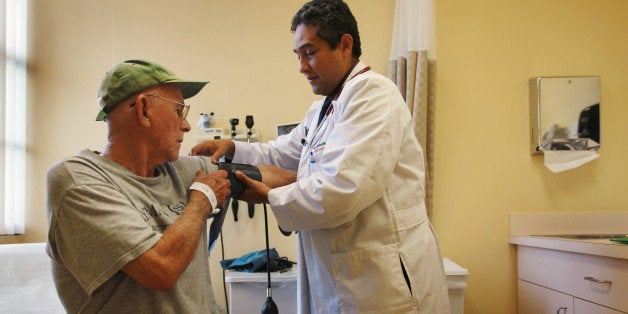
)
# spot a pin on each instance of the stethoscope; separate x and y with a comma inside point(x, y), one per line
point(320, 130)
point(317, 136)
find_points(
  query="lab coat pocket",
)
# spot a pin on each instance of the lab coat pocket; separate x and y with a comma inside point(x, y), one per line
point(372, 281)
point(314, 159)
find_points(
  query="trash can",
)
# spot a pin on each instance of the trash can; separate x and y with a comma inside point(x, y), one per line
point(456, 278)
point(247, 291)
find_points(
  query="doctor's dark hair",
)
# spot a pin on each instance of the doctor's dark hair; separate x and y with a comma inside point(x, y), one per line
point(333, 19)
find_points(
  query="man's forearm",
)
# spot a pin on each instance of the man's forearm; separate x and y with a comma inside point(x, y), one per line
point(160, 267)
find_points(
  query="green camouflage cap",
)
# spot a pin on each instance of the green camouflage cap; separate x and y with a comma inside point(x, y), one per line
point(132, 76)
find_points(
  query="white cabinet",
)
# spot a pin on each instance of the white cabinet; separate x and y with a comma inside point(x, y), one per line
point(552, 281)
point(601, 280)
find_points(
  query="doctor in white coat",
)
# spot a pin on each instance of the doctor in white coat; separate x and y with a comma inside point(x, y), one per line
point(364, 241)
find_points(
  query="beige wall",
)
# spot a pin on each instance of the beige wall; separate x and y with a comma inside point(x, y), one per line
point(487, 50)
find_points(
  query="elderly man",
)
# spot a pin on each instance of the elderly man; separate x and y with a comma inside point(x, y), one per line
point(128, 223)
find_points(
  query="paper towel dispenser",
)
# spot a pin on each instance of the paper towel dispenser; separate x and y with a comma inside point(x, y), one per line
point(564, 113)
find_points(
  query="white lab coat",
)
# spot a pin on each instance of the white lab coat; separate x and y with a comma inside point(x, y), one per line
point(358, 205)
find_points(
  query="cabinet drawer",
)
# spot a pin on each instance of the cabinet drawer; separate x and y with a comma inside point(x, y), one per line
point(612, 273)
point(548, 268)
point(584, 307)
point(534, 299)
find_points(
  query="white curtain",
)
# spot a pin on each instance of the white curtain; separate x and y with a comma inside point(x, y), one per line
point(412, 66)
point(12, 115)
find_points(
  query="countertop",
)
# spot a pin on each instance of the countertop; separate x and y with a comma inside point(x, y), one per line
point(525, 229)
point(601, 247)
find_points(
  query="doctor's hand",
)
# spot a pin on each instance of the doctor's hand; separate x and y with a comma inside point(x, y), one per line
point(256, 192)
point(215, 149)
point(272, 177)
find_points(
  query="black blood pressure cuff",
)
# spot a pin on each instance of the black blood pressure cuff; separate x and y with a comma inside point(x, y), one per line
point(237, 186)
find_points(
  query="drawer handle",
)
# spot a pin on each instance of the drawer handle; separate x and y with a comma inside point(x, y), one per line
point(598, 280)
point(563, 308)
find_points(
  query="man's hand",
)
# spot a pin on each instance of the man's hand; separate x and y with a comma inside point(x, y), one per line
point(215, 149)
point(217, 181)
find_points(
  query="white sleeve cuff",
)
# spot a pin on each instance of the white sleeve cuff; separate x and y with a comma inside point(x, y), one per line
point(203, 188)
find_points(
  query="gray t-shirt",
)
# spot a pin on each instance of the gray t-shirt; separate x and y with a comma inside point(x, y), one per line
point(103, 216)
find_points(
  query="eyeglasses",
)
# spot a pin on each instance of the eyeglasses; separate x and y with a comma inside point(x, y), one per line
point(183, 113)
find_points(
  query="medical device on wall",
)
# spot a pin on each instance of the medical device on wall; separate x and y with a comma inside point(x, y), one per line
point(222, 129)
point(249, 126)
point(233, 122)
